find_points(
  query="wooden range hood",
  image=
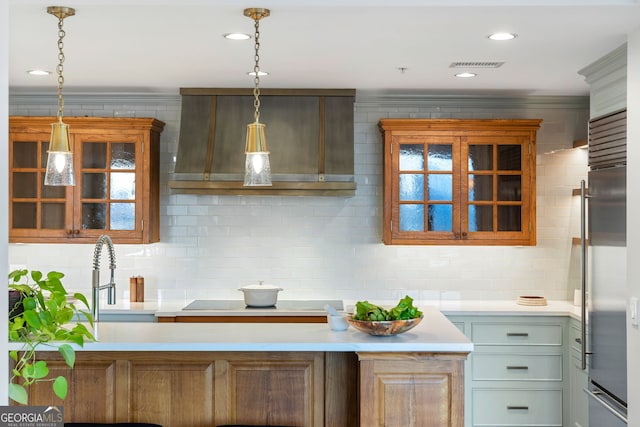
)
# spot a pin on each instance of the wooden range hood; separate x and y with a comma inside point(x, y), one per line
point(309, 133)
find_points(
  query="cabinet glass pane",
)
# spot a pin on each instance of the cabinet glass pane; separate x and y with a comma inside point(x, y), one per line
point(509, 218)
point(509, 187)
point(52, 216)
point(411, 157)
point(480, 157)
point(123, 185)
point(23, 215)
point(440, 218)
point(25, 185)
point(440, 157)
point(122, 216)
point(94, 185)
point(94, 155)
point(94, 216)
point(25, 155)
point(480, 218)
point(480, 187)
point(509, 157)
point(123, 156)
point(411, 218)
point(52, 191)
point(411, 186)
point(440, 187)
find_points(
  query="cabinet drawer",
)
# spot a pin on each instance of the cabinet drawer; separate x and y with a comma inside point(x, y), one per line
point(575, 338)
point(516, 367)
point(517, 408)
point(515, 334)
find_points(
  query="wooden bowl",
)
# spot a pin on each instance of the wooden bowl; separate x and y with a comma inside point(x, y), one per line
point(384, 327)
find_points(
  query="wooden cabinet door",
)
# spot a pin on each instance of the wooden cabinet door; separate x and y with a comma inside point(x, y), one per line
point(109, 196)
point(411, 390)
point(35, 210)
point(271, 389)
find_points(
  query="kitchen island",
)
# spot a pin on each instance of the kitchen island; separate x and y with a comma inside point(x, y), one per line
point(208, 374)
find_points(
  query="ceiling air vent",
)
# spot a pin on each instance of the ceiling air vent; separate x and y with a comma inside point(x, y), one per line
point(476, 64)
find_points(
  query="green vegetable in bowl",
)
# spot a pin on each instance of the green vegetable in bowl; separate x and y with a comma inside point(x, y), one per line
point(405, 310)
point(371, 312)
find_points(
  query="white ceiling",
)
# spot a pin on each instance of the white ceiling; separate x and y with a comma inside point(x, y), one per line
point(161, 46)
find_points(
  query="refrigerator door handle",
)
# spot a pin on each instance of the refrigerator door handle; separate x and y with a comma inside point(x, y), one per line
point(595, 395)
point(583, 273)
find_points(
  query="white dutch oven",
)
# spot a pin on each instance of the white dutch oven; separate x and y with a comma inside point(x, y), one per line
point(260, 295)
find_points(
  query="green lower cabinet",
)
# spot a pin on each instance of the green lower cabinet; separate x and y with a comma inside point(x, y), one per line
point(509, 407)
point(578, 380)
point(517, 373)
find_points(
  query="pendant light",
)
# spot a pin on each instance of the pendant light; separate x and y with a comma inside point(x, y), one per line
point(60, 159)
point(257, 170)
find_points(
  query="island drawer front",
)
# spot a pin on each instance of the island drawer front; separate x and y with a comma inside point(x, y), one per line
point(516, 367)
point(517, 408)
point(515, 334)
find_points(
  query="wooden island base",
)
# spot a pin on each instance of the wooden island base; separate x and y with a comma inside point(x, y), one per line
point(306, 389)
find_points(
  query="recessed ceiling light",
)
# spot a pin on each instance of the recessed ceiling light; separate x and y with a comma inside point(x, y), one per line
point(466, 75)
point(38, 72)
point(237, 36)
point(502, 36)
point(260, 73)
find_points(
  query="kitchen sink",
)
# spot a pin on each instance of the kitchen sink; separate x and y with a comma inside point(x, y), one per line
point(298, 305)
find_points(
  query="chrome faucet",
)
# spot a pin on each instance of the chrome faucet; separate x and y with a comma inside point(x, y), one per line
point(95, 277)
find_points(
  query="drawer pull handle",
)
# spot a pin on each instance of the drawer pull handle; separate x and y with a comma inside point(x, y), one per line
point(517, 334)
point(517, 408)
point(518, 368)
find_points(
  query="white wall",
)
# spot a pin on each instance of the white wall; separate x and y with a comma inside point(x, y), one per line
point(633, 213)
point(4, 185)
point(317, 247)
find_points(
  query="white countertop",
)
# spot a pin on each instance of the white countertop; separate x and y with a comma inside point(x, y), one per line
point(434, 334)
point(448, 307)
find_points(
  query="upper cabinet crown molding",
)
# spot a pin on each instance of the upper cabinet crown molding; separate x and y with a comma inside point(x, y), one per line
point(608, 80)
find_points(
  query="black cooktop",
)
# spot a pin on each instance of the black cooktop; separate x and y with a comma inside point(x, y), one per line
point(298, 305)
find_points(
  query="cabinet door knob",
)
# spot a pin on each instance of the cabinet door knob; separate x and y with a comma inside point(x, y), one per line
point(76, 232)
point(68, 232)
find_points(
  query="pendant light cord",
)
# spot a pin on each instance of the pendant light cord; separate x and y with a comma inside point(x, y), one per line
point(60, 67)
point(256, 71)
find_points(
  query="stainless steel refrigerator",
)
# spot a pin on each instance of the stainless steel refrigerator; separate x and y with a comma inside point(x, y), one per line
point(606, 259)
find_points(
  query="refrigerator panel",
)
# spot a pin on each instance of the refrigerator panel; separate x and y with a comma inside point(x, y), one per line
point(604, 411)
point(607, 281)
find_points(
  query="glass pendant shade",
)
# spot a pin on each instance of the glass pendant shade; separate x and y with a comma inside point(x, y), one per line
point(60, 159)
point(257, 169)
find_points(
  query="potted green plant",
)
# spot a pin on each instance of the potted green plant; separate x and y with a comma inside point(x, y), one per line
point(48, 317)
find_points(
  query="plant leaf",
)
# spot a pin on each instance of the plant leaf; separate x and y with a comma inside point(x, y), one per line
point(18, 393)
point(32, 318)
point(40, 369)
point(36, 275)
point(68, 354)
point(82, 298)
point(60, 387)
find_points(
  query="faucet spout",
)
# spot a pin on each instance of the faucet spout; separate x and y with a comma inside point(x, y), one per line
point(95, 276)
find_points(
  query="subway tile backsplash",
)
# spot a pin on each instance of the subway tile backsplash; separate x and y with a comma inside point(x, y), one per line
point(328, 247)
